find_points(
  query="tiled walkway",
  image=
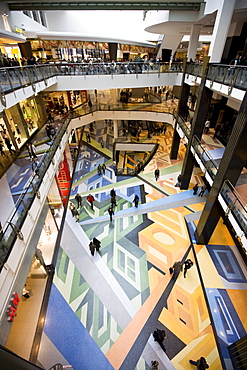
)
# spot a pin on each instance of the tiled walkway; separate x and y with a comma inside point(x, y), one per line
point(104, 308)
point(112, 302)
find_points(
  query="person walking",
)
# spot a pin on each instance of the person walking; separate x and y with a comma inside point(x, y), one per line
point(154, 365)
point(206, 127)
point(9, 145)
point(71, 207)
point(203, 188)
point(176, 268)
point(195, 189)
point(179, 179)
point(187, 265)
point(99, 169)
point(97, 244)
point(1, 148)
point(200, 364)
point(88, 138)
point(159, 336)
point(75, 214)
point(90, 200)
point(136, 200)
point(78, 198)
point(35, 166)
point(92, 248)
point(157, 174)
point(113, 202)
point(103, 167)
point(112, 193)
point(111, 212)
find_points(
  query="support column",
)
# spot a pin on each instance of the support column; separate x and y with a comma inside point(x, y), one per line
point(183, 99)
point(221, 28)
point(115, 129)
point(231, 166)
point(200, 116)
point(194, 37)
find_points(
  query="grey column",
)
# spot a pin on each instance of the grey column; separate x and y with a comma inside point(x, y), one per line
point(231, 166)
point(203, 102)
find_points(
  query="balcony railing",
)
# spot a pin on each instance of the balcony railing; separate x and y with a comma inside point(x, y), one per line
point(207, 161)
point(117, 68)
point(233, 76)
point(13, 78)
point(12, 229)
point(235, 204)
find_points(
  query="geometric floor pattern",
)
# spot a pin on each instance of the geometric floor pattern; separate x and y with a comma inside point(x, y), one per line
point(104, 308)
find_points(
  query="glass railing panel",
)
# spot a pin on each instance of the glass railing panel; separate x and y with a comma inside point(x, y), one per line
point(4, 80)
point(241, 80)
point(235, 204)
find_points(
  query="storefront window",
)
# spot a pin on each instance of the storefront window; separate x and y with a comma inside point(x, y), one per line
point(30, 114)
point(16, 126)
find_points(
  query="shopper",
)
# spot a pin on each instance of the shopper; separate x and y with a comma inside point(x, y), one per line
point(103, 167)
point(78, 198)
point(111, 212)
point(92, 248)
point(35, 166)
point(154, 365)
point(112, 193)
point(99, 169)
point(203, 189)
point(113, 202)
point(195, 189)
point(200, 364)
point(90, 199)
point(136, 200)
point(97, 244)
point(176, 268)
point(187, 265)
point(1, 148)
point(159, 336)
point(9, 145)
point(157, 174)
point(179, 179)
point(75, 214)
point(88, 138)
point(206, 127)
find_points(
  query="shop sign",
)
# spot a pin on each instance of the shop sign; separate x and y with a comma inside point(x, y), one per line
point(19, 30)
point(14, 302)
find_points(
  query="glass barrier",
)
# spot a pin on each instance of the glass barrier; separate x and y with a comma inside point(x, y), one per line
point(13, 78)
point(228, 75)
point(13, 226)
point(117, 68)
point(235, 203)
point(185, 126)
point(194, 69)
point(208, 162)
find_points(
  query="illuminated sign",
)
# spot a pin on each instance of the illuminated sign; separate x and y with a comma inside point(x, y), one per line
point(14, 301)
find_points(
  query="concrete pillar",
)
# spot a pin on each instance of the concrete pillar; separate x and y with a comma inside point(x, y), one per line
point(221, 28)
point(194, 36)
point(115, 129)
point(231, 166)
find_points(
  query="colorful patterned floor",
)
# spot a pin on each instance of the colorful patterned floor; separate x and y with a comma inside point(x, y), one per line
point(104, 308)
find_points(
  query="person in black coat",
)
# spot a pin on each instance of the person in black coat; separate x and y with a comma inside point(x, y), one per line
point(157, 174)
point(111, 212)
point(136, 200)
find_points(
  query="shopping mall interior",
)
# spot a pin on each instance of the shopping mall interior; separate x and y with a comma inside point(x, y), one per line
point(123, 176)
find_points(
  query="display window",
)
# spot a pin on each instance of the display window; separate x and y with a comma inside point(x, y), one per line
point(56, 102)
point(16, 126)
point(31, 114)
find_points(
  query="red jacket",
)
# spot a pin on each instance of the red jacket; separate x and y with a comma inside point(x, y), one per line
point(90, 198)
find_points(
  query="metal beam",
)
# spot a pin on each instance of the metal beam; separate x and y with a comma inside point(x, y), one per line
point(105, 5)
